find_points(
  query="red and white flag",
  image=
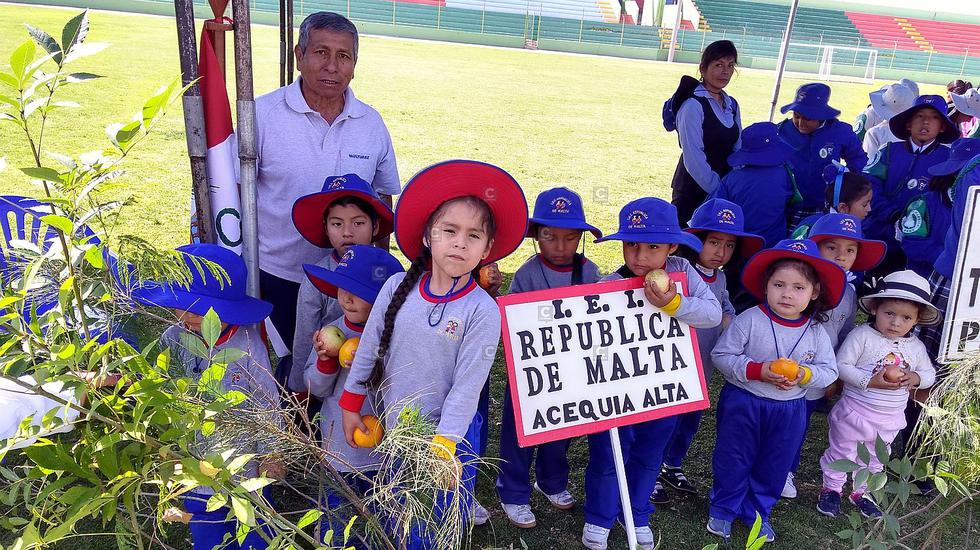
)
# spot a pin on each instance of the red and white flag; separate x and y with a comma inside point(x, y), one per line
point(222, 156)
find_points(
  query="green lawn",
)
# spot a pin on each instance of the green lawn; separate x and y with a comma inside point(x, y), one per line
point(590, 123)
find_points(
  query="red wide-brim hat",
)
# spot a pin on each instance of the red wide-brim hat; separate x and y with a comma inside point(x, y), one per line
point(459, 178)
point(832, 277)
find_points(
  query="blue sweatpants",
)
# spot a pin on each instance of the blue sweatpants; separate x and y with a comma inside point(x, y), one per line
point(756, 439)
point(687, 428)
point(514, 479)
point(335, 499)
point(209, 529)
point(466, 451)
point(643, 452)
point(811, 406)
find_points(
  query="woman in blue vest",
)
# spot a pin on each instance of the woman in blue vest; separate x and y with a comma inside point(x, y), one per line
point(708, 128)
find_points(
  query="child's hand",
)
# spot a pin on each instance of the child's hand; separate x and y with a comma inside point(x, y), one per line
point(272, 466)
point(494, 279)
point(352, 421)
point(778, 380)
point(175, 515)
point(657, 297)
point(910, 380)
point(878, 382)
point(318, 347)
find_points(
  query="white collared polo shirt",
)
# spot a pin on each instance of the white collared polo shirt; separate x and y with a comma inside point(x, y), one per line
point(297, 150)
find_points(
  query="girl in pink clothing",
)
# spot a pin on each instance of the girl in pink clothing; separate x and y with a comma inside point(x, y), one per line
point(879, 364)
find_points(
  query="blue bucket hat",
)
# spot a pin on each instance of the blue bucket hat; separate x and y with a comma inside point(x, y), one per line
point(560, 207)
point(308, 210)
point(761, 146)
point(653, 221)
point(226, 297)
point(846, 226)
point(897, 123)
point(812, 102)
point(725, 217)
point(961, 152)
point(832, 277)
point(362, 271)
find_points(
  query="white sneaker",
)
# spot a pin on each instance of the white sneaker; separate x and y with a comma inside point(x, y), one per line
point(520, 515)
point(563, 500)
point(644, 537)
point(594, 537)
point(789, 488)
point(480, 514)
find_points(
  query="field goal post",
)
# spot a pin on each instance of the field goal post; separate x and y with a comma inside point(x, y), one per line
point(829, 56)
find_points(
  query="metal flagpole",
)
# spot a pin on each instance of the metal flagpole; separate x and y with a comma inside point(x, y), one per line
point(197, 145)
point(673, 33)
point(245, 103)
point(781, 65)
point(624, 492)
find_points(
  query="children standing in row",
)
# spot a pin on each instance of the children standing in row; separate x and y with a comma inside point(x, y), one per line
point(557, 227)
point(650, 234)
point(770, 355)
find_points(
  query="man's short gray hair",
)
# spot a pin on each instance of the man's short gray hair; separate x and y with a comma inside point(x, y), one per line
point(328, 21)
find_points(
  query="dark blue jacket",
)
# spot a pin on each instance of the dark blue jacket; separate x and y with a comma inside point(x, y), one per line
point(831, 142)
point(763, 193)
point(922, 230)
point(969, 177)
point(897, 176)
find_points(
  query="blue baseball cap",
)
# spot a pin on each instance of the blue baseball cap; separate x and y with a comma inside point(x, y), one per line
point(205, 291)
point(897, 123)
point(654, 221)
point(832, 277)
point(812, 102)
point(725, 217)
point(308, 210)
point(845, 226)
point(362, 271)
point(560, 207)
point(961, 152)
point(761, 146)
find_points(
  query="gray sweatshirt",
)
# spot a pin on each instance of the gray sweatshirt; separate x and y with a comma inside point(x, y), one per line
point(749, 341)
point(538, 274)
point(251, 375)
point(314, 309)
point(440, 369)
point(717, 282)
point(329, 386)
point(700, 309)
point(839, 324)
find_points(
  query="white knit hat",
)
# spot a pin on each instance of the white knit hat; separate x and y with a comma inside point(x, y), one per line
point(905, 285)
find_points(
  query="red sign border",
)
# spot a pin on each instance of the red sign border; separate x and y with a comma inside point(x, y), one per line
point(525, 440)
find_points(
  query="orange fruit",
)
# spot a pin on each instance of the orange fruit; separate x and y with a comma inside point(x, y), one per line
point(374, 434)
point(659, 278)
point(785, 367)
point(484, 277)
point(893, 373)
point(347, 351)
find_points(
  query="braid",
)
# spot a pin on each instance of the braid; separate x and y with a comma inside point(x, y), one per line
point(397, 299)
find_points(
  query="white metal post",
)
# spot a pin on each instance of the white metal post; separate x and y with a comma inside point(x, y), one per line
point(781, 65)
point(624, 493)
point(673, 34)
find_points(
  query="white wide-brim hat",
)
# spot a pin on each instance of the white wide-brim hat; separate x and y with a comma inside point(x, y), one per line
point(905, 285)
point(968, 102)
point(891, 100)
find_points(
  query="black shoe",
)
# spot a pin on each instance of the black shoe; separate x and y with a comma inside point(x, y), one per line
point(676, 480)
point(829, 503)
point(660, 495)
point(926, 487)
point(866, 505)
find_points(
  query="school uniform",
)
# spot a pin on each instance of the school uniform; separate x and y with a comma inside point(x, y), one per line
point(314, 310)
point(550, 459)
point(922, 229)
point(867, 119)
point(760, 427)
point(643, 444)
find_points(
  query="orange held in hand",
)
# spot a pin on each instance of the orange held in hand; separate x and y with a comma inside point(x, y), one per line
point(332, 338)
point(659, 278)
point(785, 367)
point(347, 351)
point(484, 278)
point(374, 434)
point(893, 373)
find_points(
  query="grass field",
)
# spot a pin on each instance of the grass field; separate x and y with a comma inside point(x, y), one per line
point(590, 123)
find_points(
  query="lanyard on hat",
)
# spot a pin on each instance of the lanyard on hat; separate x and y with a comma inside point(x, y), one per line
point(442, 301)
point(775, 341)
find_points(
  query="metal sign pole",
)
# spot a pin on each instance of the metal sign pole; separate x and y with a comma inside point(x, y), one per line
point(783, 50)
point(624, 492)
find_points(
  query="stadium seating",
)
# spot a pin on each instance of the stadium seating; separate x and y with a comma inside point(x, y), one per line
point(884, 32)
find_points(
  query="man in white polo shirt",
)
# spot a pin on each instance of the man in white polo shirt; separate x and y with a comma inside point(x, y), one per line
point(307, 131)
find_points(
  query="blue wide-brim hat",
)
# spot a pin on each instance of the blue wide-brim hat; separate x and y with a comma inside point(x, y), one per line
point(726, 217)
point(845, 226)
point(897, 123)
point(832, 277)
point(562, 208)
point(961, 152)
point(308, 210)
point(205, 291)
point(653, 221)
point(761, 146)
point(362, 271)
point(812, 102)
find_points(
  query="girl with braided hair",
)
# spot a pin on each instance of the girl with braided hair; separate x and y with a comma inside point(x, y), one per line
point(433, 332)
